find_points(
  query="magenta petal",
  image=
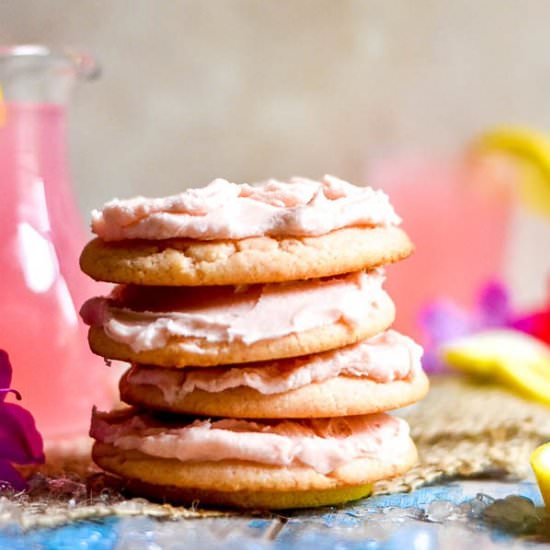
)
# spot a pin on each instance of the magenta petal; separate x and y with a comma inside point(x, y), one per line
point(5, 372)
point(20, 441)
point(494, 306)
point(4, 391)
point(9, 474)
point(537, 324)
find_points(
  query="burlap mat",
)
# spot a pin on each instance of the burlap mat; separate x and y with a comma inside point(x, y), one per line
point(461, 429)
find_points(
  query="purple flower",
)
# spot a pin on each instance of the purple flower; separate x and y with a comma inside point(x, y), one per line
point(443, 321)
point(20, 441)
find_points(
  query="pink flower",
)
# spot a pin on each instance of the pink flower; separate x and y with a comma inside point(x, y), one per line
point(20, 441)
point(536, 323)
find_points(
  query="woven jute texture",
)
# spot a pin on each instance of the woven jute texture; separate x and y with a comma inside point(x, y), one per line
point(464, 429)
point(461, 429)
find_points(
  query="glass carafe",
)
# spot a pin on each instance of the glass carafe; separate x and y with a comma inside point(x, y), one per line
point(41, 235)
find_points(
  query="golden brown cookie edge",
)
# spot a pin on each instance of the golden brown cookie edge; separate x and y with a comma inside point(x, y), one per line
point(181, 262)
point(242, 484)
point(339, 396)
point(180, 352)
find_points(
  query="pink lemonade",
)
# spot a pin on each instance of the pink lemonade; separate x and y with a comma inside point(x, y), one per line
point(41, 286)
point(457, 219)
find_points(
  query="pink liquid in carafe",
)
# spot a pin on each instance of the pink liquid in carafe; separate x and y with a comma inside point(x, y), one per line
point(458, 222)
point(41, 235)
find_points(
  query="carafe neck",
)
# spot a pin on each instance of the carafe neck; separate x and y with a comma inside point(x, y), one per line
point(37, 74)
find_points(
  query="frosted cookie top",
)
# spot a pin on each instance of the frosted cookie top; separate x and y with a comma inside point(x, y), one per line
point(386, 357)
point(323, 444)
point(223, 210)
point(148, 318)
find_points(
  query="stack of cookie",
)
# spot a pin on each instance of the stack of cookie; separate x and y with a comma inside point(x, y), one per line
point(258, 333)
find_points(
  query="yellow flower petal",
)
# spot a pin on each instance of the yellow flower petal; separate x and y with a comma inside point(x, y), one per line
point(510, 357)
point(540, 462)
point(532, 149)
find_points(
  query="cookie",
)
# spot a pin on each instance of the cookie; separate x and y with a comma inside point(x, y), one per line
point(251, 500)
point(339, 396)
point(253, 465)
point(181, 352)
point(229, 234)
point(169, 480)
point(179, 262)
point(209, 326)
point(377, 374)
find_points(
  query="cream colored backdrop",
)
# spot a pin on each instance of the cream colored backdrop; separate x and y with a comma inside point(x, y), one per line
point(246, 89)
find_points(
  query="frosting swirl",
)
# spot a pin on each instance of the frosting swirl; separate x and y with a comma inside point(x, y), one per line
point(383, 358)
point(225, 210)
point(322, 444)
point(146, 318)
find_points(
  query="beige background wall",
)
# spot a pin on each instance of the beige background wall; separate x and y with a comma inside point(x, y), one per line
point(254, 88)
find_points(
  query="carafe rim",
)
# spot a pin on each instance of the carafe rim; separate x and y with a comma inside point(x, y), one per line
point(83, 63)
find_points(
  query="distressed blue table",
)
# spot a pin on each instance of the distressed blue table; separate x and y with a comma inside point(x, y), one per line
point(461, 515)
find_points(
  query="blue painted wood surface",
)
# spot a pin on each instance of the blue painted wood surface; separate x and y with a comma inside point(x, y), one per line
point(441, 516)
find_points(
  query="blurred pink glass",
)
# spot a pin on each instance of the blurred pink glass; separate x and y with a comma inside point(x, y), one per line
point(41, 236)
point(457, 215)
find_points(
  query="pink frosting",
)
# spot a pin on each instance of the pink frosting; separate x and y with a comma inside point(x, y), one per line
point(323, 444)
point(386, 357)
point(146, 318)
point(224, 210)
